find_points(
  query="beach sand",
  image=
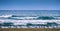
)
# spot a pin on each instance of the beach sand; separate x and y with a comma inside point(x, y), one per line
point(29, 29)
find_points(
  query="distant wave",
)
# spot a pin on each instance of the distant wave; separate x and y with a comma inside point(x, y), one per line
point(22, 17)
point(29, 17)
point(46, 18)
point(5, 16)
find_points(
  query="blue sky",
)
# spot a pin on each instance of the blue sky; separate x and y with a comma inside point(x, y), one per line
point(29, 4)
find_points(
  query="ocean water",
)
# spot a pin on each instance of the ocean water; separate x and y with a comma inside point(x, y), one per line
point(30, 14)
point(23, 17)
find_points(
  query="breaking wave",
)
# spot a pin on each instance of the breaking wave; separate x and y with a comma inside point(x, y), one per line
point(29, 17)
point(6, 16)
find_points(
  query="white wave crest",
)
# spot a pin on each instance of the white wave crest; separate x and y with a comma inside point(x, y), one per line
point(5, 16)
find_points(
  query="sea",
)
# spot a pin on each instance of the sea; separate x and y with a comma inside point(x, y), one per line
point(30, 13)
point(19, 17)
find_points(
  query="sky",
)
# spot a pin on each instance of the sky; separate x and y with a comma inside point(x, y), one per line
point(29, 4)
